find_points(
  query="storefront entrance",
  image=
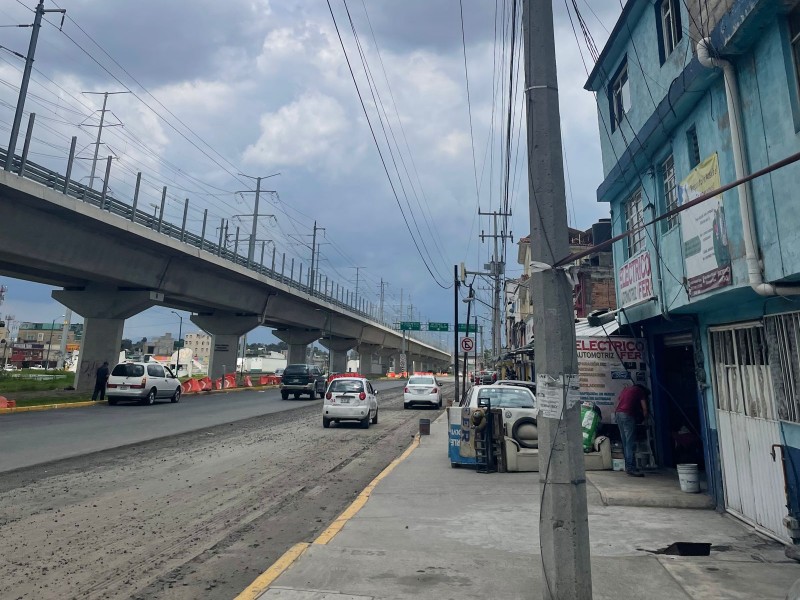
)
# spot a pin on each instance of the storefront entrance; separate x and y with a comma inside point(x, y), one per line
point(678, 421)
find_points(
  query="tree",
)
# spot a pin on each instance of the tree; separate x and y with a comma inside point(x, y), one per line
point(126, 345)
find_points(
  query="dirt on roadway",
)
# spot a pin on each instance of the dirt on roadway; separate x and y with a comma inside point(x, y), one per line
point(198, 515)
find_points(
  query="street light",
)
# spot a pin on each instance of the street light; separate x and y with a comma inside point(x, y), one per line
point(180, 331)
point(50, 344)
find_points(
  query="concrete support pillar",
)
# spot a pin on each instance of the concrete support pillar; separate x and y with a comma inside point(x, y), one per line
point(104, 310)
point(365, 352)
point(339, 347)
point(298, 340)
point(385, 355)
point(225, 329)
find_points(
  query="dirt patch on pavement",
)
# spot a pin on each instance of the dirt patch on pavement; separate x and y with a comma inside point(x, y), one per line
point(197, 515)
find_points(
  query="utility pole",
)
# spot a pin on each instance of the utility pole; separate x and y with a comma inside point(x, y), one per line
point(358, 270)
point(251, 247)
point(26, 78)
point(100, 131)
point(563, 520)
point(62, 351)
point(497, 270)
point(456, 286)
point(382, 284)
point(314, 254)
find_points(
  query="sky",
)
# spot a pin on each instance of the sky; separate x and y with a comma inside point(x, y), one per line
point(259, 87)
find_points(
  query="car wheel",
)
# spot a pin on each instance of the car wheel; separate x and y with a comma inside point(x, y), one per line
point(365, 422)
point(285, 395)
point(151, 397)
point(112, 401)
point(176, 397)
point(406, 406)
point(326, 422)
point(375, 418)
point(321, 394)
point(440, 403)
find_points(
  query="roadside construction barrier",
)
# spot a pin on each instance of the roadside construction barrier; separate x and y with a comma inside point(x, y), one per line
point(205, 384)
point(186, 386)
point(6, 403)
point(247, 381)
point(230, 380)
point(688, 478)
point(218, 384)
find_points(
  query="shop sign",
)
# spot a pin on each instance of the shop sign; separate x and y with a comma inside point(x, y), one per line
point(635, 280)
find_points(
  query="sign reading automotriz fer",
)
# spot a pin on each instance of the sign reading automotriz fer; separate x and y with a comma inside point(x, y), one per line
point(410, 326)
point(464, 328)
point(438, 326)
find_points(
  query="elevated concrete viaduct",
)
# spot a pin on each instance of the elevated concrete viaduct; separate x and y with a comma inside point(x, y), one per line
point(111, 268)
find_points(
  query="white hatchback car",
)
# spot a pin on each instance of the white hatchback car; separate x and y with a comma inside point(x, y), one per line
point(422, 389)
point(144, 382)
point(350, 398)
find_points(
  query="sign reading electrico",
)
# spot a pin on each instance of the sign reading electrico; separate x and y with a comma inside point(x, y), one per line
point(606, 366)
point(438, 326)
point(635, 280)
point(410, 326)
point(705, 235)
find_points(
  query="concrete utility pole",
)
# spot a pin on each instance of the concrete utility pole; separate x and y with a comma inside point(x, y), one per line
point(497, 270)
point(26, 78)
point(382, 284)
point(314, 257)
point(563, 521)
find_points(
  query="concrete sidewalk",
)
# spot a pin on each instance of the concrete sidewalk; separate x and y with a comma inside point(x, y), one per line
point(429, 531)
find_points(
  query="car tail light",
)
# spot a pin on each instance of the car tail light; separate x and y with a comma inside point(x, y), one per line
point(405, 390)
point(140, 386)
point(362, 396)
point(328, 396)
point(111, 385)
point(435, 391)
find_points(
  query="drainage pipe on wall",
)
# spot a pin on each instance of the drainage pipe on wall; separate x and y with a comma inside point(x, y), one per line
point(754, 267)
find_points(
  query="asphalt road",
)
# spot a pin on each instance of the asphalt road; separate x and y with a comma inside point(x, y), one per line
point(31, 438)
point(194, 515)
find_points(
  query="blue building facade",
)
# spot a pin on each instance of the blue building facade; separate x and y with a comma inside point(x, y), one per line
point(714, 289)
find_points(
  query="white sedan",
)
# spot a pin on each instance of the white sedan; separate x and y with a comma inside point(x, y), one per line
point(350, 399)
point(422, 389)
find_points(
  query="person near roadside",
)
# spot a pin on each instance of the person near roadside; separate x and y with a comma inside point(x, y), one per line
point(100, 382)
point(631, 408)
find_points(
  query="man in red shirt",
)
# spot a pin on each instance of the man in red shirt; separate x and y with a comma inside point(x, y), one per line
point(631, 406)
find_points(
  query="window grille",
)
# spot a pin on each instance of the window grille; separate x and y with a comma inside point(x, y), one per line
point(783, 335)
point(634, 217)
point(670, 191)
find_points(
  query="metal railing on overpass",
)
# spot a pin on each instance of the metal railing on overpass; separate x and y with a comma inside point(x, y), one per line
point(331, 292)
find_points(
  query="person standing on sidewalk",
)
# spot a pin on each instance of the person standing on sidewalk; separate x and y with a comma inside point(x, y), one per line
point(100, 382)
point(631, 407)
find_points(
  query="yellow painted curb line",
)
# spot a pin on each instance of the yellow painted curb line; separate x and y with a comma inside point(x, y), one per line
point(357, 504)
point(266, 579)
point(40, 407)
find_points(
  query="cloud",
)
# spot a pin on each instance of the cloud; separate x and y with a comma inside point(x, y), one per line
point(311, 128)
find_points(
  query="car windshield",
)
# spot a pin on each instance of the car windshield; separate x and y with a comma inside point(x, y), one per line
point(344, 385)
point(128, 370)
point(504, 397)
point(421, 381)
point(296, 370)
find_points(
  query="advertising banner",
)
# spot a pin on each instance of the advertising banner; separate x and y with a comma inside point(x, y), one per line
point(705, 235)
point(606, 365)
point(635, 280)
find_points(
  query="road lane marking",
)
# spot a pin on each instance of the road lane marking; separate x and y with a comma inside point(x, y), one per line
point(263, 581)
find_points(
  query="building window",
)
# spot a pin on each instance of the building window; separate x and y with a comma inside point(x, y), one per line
point(620, 96)
point(634, 217)
point(670, 191)
point(693, 147)
point(670, 25)
point(741, 370)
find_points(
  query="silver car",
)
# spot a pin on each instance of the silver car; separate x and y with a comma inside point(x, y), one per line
point(143, 382)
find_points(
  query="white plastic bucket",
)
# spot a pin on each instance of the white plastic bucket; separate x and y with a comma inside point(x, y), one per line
point(618, 464)
point(689, 478)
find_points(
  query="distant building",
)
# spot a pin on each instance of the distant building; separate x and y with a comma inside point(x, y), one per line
point(161, 346)
point(40, 343)
point(200, 343)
